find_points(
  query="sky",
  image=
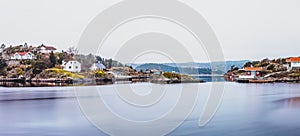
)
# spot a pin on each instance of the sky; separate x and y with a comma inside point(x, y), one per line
point(248, 29)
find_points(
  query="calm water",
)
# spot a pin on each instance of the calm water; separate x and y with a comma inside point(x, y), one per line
point(210, 79)
point(246, 109)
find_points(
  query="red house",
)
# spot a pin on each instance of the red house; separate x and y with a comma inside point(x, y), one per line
point(253, 71)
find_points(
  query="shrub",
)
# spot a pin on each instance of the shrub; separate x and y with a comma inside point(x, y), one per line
point(294, 75)
point(3, 73)
point(19, 71)
point(171, 75)
point(9, 68)
point(28, 62)
point(38, 67)
point(99, 73)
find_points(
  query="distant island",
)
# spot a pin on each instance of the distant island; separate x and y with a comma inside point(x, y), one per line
point(192, 67)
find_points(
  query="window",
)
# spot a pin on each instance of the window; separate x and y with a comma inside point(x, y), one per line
point(76, 67)
point(70, 67)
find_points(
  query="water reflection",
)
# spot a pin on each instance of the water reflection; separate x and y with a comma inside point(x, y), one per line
point(293, 102)
point(51, 84)
point(210, 78)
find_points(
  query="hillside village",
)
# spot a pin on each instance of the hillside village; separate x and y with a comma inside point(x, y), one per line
point(45, 61)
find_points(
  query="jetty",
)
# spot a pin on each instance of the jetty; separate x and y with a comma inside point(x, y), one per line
point(255, 81)
point(17, 80)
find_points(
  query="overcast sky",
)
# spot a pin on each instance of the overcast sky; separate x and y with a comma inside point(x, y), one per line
point(248, 29)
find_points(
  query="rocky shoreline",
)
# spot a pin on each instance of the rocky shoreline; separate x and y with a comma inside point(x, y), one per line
point(35, 82)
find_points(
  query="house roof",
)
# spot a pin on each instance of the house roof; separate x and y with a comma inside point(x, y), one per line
point(22, 53)
point(253, 69)
point(66, 62)
point(47, 47)
point(293, 59)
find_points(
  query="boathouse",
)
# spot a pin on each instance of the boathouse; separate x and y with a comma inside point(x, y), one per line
point(251, 72)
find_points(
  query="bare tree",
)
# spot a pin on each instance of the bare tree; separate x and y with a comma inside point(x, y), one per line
point(72, 50)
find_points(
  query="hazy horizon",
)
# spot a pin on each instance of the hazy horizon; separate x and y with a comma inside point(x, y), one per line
point(242, 59)
point(247, 30)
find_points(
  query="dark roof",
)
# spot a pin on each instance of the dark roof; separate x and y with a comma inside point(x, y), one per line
point(47, 47)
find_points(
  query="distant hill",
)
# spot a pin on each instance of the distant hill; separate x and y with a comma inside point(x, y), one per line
point(228, 64)
point(192, 67)
point(167, 68)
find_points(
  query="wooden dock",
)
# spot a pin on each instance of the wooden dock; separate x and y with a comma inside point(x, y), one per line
point(23, 80)
point(255, 81)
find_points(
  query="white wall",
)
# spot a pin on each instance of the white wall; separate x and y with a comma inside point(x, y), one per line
point(295, 64)
point(72, 66)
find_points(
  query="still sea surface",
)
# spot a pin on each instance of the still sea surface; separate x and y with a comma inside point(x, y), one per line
point(245, 110)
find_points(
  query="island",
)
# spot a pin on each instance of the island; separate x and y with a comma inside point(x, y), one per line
point(43, 65)
point(266, 71)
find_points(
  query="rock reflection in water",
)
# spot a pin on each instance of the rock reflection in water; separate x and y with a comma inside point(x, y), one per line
point(49, 84)
point(293, 102)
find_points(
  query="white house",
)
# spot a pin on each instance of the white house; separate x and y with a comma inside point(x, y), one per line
point(22, 56)
point(46, 49)
point(72, 66)
point(293, 63)
point(97, 66)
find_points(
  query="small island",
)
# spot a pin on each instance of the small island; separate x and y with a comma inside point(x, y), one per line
point(42, 65)
point(266, 71)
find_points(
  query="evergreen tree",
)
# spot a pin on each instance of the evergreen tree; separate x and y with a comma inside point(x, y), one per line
point(52, 59)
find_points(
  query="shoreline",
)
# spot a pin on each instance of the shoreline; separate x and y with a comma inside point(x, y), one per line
point(17, 82)
point(101, 83)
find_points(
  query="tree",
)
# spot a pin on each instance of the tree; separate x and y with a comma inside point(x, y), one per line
point(271, 67)
point(109, 63)
point(38, 67)
point(38, 56)
point(248, 64)
point(3, 65)
point(72, 50)
point(232, 67)
point(52, 59)
point(3, 46)
point(99, 59)
point(2, 49)
point(257, 63)
point(25, 46)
